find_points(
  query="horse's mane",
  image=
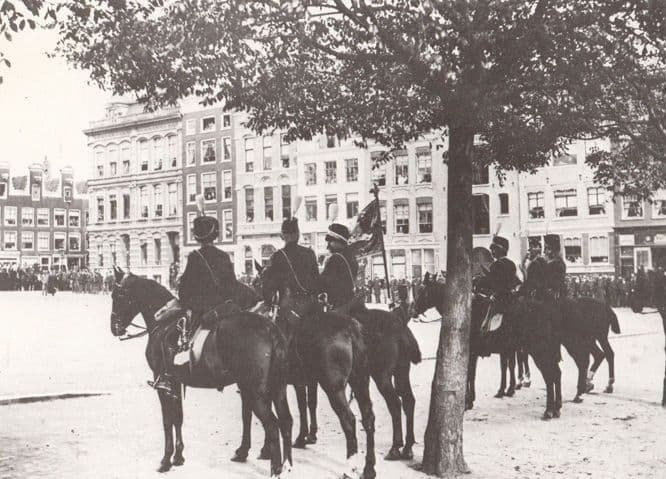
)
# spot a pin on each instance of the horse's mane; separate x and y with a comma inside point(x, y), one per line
point(149, 290)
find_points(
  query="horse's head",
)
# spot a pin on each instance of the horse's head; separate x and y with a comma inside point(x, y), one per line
point(428, 296)
point(124, 306)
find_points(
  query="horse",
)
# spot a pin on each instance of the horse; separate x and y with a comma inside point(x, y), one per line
point(242, 348)
point(536, 337)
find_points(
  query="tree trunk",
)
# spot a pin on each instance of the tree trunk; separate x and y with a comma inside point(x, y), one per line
point(443, 453)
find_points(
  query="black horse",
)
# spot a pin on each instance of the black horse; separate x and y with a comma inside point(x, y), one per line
point(242, 348)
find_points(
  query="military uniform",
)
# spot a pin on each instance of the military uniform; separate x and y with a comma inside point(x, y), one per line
point(297, 267)
point(555, 274)
point(534, 285)
point(340, 271)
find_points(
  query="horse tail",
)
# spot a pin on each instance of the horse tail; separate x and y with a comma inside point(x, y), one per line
point(411, 346)
point(612, 318)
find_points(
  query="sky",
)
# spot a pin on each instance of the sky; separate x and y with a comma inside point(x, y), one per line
point(44, 106)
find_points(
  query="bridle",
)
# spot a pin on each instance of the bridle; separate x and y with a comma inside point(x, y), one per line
point(119, 290)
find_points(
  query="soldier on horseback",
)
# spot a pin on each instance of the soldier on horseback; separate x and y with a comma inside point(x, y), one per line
point(555, 270)
point(534, 272)
point(340, 270)
point(207, 282)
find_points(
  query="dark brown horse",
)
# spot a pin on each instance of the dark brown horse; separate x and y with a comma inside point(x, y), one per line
point(242, 348)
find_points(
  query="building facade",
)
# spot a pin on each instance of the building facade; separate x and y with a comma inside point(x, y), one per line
point(209, 170)
point(135, 190)
point(640, 233)
point(43, 219)
point(562, 198)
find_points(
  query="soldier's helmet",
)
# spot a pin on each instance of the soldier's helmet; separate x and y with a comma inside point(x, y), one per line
point(535, 243)
point(205, 229)
point(501, 243)
point(290, 226)
point(552, 242)
point(338, 232)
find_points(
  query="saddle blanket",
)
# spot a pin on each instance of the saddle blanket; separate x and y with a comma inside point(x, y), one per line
point(193, 354)
point(492, 323)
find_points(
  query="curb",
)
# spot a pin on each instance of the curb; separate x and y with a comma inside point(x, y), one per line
point(47, 397)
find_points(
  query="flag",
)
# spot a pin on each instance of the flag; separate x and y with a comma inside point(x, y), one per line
point(367, 235)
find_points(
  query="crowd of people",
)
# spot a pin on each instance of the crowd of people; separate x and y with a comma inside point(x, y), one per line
point(36, 278)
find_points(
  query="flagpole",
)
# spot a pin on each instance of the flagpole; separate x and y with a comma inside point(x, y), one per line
point(375, 191)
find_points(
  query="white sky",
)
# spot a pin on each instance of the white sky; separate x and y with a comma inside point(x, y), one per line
point(44, 106)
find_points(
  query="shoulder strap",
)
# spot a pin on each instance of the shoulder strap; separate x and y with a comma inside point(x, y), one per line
point(210, 270)
point(293, 272)
point(351, 276)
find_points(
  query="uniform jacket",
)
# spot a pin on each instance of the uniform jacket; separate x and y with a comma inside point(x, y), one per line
point(304, 279)
point(555, 276)
point(501, 277)
point(198, 290)
point(535, 278)
point(338, 277)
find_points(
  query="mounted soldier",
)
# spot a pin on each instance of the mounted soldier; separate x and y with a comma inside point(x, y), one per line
point(555, 270)
point(340, 270)
point(534, 272)
point(207, 282)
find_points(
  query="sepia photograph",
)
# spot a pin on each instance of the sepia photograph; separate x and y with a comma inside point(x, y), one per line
point(357, 239)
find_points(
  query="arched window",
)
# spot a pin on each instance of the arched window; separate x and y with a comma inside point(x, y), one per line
point(99, 161)
point(158, 153)
point(144, 155)
point(249, 261)
point(172, 150)
point(267, 251)
point(112, 155)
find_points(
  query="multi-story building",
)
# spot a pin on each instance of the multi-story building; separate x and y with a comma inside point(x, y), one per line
point(135, 190)
point(209, 170)
point(640, 233)
point(43, 218)
point(266, 180)
point(562, 198)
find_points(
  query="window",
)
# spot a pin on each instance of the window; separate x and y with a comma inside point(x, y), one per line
point(113, 207)
point(172, 202)
point(144, 253)
point(126, 206)
point(36, 191)
point(27, 240)
point(143, 201)
point(480, 215)
point(659, 205)
point(43, 217)
point(310, 174)
point(125, 157)
point(74, 241)
point(10, 240)
point(99, 162)
point(158, 153)
point(226, 121)
point(268, 203)
point(207, 124)
point(424, 206)
point(564, 160)
point(352, 205)
point(226, 185)
point(331, 168)
point(3, 188)
point(330, 141)
point(596, 199)
point(191, 188)
point(398, 263)
point(284, 153)
point(227, 225)
point(113, 160)
point(379, 175)
point(10, 215)
point(59, 242)
point(598, 249)
point(67, 193)
point(172, 151)
point(190, 225)
point(100, 211)
point(429, 260)
point(190, 127)
point(401, 170)
point(249, 261)
point(144, 155)
point(480, 174)
point(249, 155)
point(401, 213)
point(59, 214)
point(75, 218)
point(27, 217)
point(632, 207)
point(504, 203)
point(311, 209)
point(100, 255)
point(208, 151)
point(573, 251)
point(249, 204)
point(209, 186)
point(191, 153)
point(157, 244)
point(566, 203)
point(330, 200)
point(43, 241)
point(417, 263)
point(286, 201)
point(157, 196)
point(423, 165)
point(351, 170)
point(268, 153)
point(535, 202)
point(226, 149)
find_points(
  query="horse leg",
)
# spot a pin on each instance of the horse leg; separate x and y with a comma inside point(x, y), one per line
point(512, 374)
point(348, 422)
point(557, 389)
point(301, 397)
point(525, 358)
point(360, 384)
point(390, 395)
point(598, 356)
point(500, 393)
point(312, 406)
point(519, 382)
point(167, 423)
point(404, 387)
point(582, 359)
point(178, 459)
point(470, 397)
point(610, 357)
point(262, 409)
point(285, 423)
point(241, 453)
point(546, 371)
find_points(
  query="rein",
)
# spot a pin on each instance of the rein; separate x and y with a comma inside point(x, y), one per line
point(137, 335)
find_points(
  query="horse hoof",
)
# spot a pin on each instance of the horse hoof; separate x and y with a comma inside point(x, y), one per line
point(240, 456)
point(300, 443)
point(510, 393)
point(589, 386)
point(178, 461)
point(311, 439)
point(518, 386)
point(469, 406)
point(499, 395)
point(578, 399)
point(393, 454)
point(548, 415)
point(609, 389)
point(527, 384)
point(556, 414)
point(164, 466)
point(407, 454)
point(264, 455)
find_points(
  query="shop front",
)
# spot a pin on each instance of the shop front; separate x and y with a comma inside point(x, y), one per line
point(641, 247)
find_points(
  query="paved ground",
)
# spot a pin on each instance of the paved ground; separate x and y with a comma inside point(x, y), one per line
point(63, 344)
